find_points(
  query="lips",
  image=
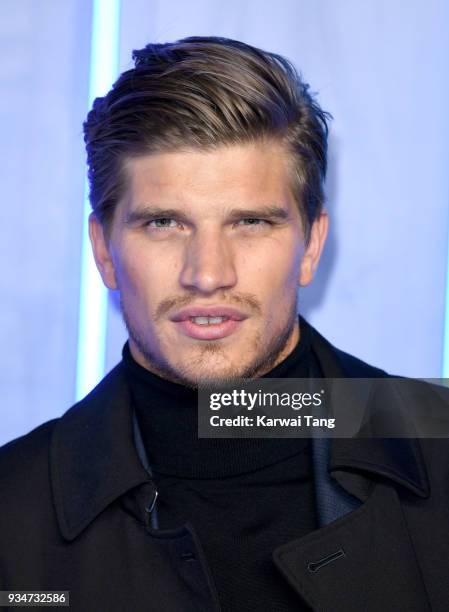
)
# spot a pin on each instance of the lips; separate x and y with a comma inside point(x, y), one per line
point(230, 313)
point(186, 325)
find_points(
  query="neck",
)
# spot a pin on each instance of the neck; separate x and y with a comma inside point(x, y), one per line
point(168, 417)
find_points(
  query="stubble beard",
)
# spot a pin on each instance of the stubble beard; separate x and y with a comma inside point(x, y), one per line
point(266, 356)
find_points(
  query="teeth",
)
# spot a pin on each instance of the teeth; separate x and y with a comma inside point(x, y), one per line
point(208, 320)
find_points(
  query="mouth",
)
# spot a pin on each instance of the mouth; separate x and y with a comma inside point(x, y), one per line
point(211, 323)
point(208, 320)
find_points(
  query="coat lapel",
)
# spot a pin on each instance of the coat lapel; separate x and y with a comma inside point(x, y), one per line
point(93, 457)
point(361, 557)
point(362, 561)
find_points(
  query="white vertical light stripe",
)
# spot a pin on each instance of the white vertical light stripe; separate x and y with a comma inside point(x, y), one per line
point(93, 295)
point(445, 372)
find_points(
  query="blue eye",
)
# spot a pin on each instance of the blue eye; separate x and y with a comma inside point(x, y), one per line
point(259, 222)
point(163, 225)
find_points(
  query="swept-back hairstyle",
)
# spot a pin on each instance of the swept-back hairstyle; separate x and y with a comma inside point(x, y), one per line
point(204, 92)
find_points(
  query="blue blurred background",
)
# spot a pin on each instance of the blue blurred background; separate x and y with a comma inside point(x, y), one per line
point(380, 67)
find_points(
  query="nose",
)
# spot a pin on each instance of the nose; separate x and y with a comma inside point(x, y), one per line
point(208, 262)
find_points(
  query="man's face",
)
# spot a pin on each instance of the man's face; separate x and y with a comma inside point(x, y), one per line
point(209, 229)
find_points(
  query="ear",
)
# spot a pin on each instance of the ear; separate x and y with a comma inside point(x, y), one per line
point(101, 252)
point(314, 248)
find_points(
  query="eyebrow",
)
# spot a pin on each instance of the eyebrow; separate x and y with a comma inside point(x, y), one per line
point(148, 212)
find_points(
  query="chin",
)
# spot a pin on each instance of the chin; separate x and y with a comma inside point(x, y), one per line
point(209, 376)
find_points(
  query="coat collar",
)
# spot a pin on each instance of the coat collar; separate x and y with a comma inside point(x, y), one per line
point(397, 459)
point(93, 457)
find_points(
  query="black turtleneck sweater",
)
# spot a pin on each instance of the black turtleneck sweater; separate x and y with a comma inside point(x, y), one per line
point(243, 497)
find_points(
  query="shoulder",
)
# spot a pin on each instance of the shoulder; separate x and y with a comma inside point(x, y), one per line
point(357, 368)
point(336, 363)
point(25, 483)
point(25, 461)
point(30, 450)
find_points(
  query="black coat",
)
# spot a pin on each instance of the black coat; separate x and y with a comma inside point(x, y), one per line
point(74, 516)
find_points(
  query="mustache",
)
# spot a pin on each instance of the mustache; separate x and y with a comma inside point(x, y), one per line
point(246, 300)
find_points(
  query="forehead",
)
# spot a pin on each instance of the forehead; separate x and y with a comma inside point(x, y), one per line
point(235, 174)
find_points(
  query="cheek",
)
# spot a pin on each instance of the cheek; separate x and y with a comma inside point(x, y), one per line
point(145, 281)
point(281, 265)
point(133, 275)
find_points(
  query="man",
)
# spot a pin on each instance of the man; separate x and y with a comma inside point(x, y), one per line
point(206, 167)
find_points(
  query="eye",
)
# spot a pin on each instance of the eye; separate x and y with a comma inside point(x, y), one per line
point(162, 223)
point(254, 222)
